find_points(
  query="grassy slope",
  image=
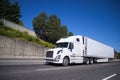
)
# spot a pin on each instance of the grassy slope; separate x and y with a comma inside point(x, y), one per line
point(9, 32)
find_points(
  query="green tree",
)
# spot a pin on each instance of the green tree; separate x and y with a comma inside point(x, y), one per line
point(70, 34)
point(53, 28)
point(39, 25)
point(15, 13)
point(49, 28)
point(10, 11)
point(117, 55)
point(4, 8)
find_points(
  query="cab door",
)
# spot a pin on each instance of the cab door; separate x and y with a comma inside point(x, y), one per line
point(71, 52)
point(77, 52)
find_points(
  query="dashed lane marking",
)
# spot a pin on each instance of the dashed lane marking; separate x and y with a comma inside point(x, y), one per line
point(109, 77)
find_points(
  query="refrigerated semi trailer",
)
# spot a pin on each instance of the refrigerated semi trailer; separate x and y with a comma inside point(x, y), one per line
point(79, 49)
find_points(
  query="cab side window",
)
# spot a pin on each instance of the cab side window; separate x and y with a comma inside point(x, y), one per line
point(77, 39)
point(71, 46)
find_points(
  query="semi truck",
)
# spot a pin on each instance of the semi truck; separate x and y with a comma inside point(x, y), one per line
point(79, 49)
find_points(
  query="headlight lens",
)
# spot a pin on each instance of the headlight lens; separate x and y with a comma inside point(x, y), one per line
point(58, 57)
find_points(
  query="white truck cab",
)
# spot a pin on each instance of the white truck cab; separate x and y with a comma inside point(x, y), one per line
point(72, 49)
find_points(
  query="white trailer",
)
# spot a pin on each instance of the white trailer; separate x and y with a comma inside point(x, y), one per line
point(79, 49)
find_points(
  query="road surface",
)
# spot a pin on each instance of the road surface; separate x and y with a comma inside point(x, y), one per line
point(103, 71)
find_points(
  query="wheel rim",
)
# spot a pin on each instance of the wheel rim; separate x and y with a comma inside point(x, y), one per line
point(65, 62)
point(87, 62)
point(91, 61)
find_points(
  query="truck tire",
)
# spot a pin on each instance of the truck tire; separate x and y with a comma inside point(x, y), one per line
point(94, 60)
point(91, 60)
point(86, 61)
point(65, 61)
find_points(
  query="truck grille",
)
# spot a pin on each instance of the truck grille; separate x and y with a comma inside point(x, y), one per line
point(49, 54)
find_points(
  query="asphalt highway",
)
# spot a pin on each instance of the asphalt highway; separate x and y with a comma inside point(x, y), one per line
point(102, 71)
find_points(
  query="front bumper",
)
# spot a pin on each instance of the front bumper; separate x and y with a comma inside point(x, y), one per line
point(57, 61)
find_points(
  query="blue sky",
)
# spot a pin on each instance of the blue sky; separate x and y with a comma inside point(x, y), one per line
point(97, 19)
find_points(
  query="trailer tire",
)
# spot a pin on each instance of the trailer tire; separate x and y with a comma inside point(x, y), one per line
point(91, 60)
point(87, 61)
point(94, 60)
point(65, 61)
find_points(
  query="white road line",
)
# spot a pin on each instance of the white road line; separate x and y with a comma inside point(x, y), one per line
point(109, 77)
point(47, 69)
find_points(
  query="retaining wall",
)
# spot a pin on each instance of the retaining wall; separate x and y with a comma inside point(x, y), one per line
point(17, 27)
point(15, 48)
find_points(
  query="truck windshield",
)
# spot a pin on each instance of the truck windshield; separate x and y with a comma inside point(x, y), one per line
point(62, 45)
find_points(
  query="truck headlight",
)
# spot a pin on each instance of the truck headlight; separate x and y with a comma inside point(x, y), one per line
point(58, 57)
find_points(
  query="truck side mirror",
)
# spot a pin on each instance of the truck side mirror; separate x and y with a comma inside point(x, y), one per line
point(71, 46)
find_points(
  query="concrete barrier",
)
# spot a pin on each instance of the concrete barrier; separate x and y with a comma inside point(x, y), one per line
point(15, 48)
point(17, 27)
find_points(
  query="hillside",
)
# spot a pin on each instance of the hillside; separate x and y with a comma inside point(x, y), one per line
point(9, 32)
